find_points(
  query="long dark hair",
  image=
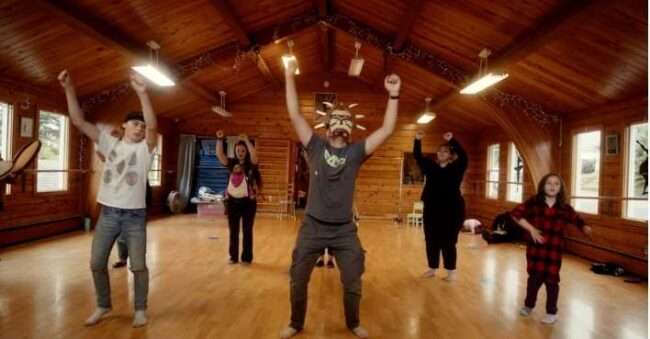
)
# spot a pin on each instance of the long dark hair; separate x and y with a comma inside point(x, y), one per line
point(248, 164)
point(540, 197)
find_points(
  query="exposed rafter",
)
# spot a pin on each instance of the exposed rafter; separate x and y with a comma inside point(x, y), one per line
point(530, 40)
point(191, 65)
point(406, 26)
point(110, 36)
point(446, 72)
point(327, 43)
point(228, 14)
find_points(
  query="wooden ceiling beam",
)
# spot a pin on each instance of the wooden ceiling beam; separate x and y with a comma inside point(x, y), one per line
point(188, 67)
point(228, 14)
point(111, 37)
point(529, 41)
point(327, 43)
point(406, 26)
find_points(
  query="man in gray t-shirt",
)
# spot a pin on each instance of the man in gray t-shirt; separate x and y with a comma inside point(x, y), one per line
point(334, 163)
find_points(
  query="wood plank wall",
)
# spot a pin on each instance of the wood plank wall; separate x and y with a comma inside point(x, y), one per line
point(615, 239)
point(27, 214)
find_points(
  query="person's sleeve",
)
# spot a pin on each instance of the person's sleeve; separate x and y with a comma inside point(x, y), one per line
point(425, 164)
point(105, 143)
point(461, 162)
point(575, 218)
point(315, 145)
point(521, 211)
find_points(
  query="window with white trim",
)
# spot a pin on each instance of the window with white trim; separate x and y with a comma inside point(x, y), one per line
point(6, 118)
point(492, 185)
point(52, 164)
point(586, 171)
point(155, 173)
point(515, 175)
point(636, 183)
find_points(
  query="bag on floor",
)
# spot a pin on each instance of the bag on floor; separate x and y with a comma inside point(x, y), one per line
point(504, 229)
point(607, 268)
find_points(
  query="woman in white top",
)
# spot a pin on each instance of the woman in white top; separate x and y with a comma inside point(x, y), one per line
point(244, 184)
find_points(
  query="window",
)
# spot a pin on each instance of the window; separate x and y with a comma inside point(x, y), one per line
point(52, 162)
point(637, 172)
point(155, 173)
point(5, 134)
point(586, 171)
point(515, 175)
point(492, 187)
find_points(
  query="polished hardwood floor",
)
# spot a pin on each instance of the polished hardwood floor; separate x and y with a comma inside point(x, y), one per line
point(46, 290)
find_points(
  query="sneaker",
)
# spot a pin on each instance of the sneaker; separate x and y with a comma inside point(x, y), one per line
point(430, 273)
point(94, 318)
point(320, 262)
point(360, 332)
point(549, 319)
point(232, 262)
point(119, 264)
point(451, 275)
point(525, 311)
point(288, 332)
point(139, 318)
point(330, 263)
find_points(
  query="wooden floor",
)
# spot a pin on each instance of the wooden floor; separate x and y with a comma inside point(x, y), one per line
point(46, 290)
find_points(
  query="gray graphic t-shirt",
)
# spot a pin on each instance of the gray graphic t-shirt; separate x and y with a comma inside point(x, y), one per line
point(332, 176)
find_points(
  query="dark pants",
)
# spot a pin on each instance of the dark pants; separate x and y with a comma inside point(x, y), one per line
point(314, 236)
point(243, 209)
point(437, 243)
point(552, 292)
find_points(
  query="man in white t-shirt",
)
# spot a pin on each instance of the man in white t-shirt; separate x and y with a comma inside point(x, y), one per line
point(122, 194)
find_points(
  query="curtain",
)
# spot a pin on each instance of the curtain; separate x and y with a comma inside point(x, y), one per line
point(186, 155)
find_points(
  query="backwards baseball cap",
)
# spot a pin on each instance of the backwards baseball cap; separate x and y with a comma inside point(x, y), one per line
point(134, 116)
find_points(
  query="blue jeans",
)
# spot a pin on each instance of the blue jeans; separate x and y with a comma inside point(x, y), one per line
point(130, 224)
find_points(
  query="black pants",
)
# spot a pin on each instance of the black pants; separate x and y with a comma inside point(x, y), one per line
point(243, 209)
point(441, 235)
point(535, 281)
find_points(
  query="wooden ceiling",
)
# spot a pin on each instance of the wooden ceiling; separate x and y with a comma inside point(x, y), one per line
point(564, 55)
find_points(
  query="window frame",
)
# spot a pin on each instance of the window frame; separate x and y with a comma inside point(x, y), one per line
point(511, 181)
point(66, 160)
point(574, 158)
point(489, 170)
point(626, 170)
point(10, 138)
point(159, 154)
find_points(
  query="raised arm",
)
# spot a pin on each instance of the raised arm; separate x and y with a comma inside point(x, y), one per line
point(461, 162)
point(297, 120)
point(251, 148)
point(151, 133)
point(76, 114)
point(425, 163)
point(223, 159)
point(392, 84)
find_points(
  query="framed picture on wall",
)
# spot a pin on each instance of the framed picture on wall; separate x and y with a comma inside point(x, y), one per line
point(26, 127)
point(611, 143)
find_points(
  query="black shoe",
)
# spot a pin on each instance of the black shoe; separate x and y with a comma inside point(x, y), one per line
point(330, 264)
point(320, 262)
point(119, 264)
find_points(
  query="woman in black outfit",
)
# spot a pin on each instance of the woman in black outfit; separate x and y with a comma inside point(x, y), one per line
point(444, 207)
point(244, 185)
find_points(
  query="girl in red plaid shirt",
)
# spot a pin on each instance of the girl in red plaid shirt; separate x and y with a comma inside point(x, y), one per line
point(546, 216)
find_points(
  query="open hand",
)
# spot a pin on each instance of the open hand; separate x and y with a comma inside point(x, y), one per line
point(537, 236)
point(291, 68)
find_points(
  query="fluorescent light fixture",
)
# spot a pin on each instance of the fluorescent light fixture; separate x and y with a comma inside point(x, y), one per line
point(288, 58)
point(154, 74)
point(356, 65)
point(483, 83)
point(426, 118)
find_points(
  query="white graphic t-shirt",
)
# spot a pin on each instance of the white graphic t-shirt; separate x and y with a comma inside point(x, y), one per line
point(124, 178)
